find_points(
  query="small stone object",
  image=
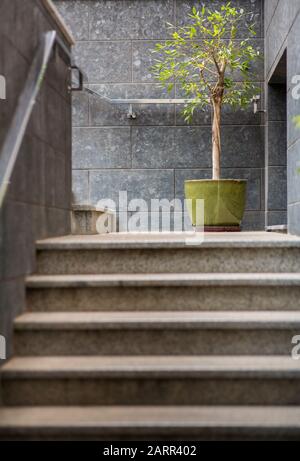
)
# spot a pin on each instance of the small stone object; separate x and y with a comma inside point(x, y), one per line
point(89, 220)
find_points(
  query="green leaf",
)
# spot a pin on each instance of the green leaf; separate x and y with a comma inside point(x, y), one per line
point(170, 87)
point(297, 121)
point(197, 66)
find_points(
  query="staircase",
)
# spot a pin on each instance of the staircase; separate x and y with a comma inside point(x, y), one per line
point(142, 337)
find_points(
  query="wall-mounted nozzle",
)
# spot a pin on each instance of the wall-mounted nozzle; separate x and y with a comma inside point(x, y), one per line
point(131, 114)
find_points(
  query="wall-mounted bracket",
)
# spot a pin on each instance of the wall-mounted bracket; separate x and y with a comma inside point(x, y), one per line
point(79, 73)
point(256, 99)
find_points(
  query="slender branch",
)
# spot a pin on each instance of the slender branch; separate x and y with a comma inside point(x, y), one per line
point(216, 64)
point(205, 81)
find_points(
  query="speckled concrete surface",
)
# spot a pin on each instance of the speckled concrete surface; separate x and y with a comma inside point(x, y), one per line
point(164, 298)
point(159, 391)
point(154, 423)
point(171, 337)
point(161, 240)
point(152, 380)
point(161, 280)
point(188, 260)
point(116, 342)
point(151, 366)
point(81, 321)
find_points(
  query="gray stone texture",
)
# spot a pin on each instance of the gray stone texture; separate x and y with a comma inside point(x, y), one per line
point(214, 340)
point(293, 57)
point(164, 299)
point(139, 184)
point(278, 28)
point(282, 28)
point(131, 19)
point(80, 109)
point(293, 174)
point(104, 62)
point(144, 156)
point(270, 7)
point(294, 218)
point(277, 147)
point(76, 13)
point(38, 200)
point(185, 260)
point(80, 180)
point(277, 200)
point(277, 139)
point(85, 220)
point(101, 148)
point(143, 60)
point(171, 147)
point(181, 385)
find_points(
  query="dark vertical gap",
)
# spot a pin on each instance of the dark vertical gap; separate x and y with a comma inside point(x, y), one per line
point(276, 174)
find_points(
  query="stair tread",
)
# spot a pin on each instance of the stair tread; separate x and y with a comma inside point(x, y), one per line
point(85, 366)
point(169, 240)
point(158, 320)
point(72, 418)
point(188, 279)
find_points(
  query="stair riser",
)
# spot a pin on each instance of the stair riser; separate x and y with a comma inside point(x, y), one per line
point(164, 298)
point(186, 391)
point(154, 342)
point(186, 260)
point(145, 433)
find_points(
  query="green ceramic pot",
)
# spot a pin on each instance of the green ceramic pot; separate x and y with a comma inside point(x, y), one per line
point(224, 201)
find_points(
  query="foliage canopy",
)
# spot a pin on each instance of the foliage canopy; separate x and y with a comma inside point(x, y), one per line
point(208, 59)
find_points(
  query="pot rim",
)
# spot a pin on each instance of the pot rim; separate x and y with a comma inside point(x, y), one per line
point(216, 180)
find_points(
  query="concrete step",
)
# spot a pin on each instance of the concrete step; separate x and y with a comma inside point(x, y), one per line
point(156, 333)
point(150, 423)
point(150, 380)
point(144, 240)
point(158, 280)
point(106, 260)
point(123, 292)
point(168, 253)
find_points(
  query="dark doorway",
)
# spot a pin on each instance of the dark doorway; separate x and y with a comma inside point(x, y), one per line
point(276, 152)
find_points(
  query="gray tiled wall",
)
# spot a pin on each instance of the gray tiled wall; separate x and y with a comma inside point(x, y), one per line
point(282, 25)
point(276, 171)
point(38, 201)
point(151, 156)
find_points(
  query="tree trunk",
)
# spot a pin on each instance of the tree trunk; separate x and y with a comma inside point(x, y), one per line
point(216, 139)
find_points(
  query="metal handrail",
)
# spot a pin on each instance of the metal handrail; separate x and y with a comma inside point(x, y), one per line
point(15, 135)
point(130, 102)
point(139, 101)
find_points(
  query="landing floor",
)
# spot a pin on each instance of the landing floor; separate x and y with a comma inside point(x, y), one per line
point(144, 240)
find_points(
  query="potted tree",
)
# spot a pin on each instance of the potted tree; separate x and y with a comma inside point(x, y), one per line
point(204, 58)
